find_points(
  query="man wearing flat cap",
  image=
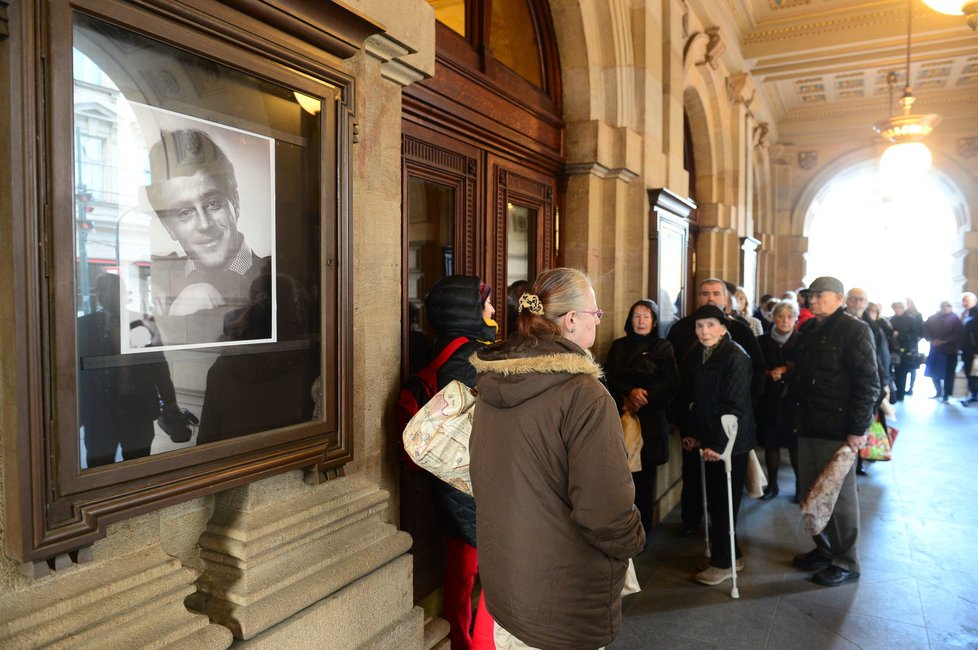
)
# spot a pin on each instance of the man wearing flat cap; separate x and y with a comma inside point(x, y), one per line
point(834, 393)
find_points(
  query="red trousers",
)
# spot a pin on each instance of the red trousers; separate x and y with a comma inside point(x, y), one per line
point(462, 566)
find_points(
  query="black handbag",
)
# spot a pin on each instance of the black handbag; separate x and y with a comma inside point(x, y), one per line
point(176, 422)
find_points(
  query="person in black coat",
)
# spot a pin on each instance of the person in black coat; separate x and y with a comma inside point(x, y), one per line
point(682, 335)
point(773, 428)
point(969, 345)
point(716, 382)
point(643, 377)
point(459, 306)
point(834, 395)
point(907, 332)
point(119, 396)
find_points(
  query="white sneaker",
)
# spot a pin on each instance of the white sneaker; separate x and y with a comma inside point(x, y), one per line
point(712, 576)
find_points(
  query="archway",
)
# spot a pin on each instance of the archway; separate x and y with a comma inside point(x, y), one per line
point(894, 246)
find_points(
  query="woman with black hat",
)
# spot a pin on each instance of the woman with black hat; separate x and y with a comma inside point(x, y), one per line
point(718, 381)
point(643, 377)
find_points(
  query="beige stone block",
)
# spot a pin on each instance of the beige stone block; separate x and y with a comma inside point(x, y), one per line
point(133, 600)
point(410, 22)
point(436, 632)
point(372, 612)
point(275, 547)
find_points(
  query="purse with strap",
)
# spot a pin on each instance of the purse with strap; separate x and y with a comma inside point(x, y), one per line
point(437, 437)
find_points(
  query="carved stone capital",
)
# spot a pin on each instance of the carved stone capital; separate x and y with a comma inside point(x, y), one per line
point(715, 48)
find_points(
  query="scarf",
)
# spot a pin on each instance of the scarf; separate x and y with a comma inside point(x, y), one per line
point(780, 338)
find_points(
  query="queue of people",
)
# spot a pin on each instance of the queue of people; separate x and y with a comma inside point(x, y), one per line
point(558, 510)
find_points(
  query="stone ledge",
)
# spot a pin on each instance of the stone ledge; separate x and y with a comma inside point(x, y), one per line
point(373, 612)
point(268, 559)
point(135, 600)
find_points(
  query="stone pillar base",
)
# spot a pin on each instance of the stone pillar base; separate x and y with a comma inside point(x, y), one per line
point(132, 601)
point(293, 565)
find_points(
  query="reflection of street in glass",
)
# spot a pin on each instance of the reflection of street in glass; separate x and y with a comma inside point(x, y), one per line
point(120, 396)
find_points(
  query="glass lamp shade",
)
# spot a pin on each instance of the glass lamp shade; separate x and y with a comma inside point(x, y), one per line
point(905, 163)
point(948, 7)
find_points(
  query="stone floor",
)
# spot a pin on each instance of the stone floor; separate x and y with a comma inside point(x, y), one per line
point(918, 547)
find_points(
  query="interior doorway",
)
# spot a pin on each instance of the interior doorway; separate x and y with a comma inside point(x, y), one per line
point(892, 245)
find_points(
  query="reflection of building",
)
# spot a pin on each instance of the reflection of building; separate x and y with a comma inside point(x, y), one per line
point(108, 171)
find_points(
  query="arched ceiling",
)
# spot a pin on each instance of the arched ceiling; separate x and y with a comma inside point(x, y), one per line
point(822, 64)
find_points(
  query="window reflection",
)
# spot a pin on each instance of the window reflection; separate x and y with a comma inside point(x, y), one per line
point(197, 248)
point(519, 228)
point(513, 40)
point(431, 237)
point(451, 13)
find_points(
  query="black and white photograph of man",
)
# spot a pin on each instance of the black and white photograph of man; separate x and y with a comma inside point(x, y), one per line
point(203, 180)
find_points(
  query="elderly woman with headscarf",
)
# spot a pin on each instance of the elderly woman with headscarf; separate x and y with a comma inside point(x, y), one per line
point(717, 382)
point(643, 377)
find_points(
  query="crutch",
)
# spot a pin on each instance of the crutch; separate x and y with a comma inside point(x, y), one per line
point(729, 423)
point(706, 512)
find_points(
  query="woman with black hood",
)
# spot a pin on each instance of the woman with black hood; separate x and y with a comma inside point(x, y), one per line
point(643, 377)
point(459, 306)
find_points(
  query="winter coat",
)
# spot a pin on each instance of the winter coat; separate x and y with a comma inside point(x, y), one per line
point(556, 518)
point(453, 307)
point(772, 412)
point(881, 335)
point(945, 328)
point(969, 335)
point(637, 361)
point(836, 384)
point(682, 335)
point(909, 329)
point(716, 387)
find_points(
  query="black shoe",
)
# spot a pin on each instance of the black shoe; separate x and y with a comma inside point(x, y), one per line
point(862, 471)
point(813, 560)
point(833, 576)
point(943, 400)
point(770, 493)
point(909, 392)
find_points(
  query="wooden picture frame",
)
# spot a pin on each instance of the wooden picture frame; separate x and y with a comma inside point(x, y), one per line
point(238, 64)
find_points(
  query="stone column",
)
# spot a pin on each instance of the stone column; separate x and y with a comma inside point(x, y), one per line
point(294, 565)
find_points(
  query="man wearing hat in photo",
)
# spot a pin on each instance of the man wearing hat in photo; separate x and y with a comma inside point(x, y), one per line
point(834, 392)
point(682, 336)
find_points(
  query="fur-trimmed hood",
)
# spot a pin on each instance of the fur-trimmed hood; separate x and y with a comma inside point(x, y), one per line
point(510, 374)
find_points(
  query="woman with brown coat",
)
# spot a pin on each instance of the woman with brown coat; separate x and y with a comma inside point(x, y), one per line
point(556, 518)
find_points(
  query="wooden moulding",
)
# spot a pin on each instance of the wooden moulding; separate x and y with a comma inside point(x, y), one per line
point(54, 510)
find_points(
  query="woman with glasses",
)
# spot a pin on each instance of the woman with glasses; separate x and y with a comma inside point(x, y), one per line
point(556, 516)
point(643, 377)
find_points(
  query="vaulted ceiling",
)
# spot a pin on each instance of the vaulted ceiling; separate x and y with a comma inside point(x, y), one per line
point(823, 64)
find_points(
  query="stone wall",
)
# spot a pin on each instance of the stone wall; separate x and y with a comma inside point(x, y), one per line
point(278, 562)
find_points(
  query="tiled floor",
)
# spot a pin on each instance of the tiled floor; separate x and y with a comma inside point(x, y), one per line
point(918, 547)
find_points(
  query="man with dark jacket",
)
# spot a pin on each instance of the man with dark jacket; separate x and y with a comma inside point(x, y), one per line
point(682, 336)
point(969, 345)
point(907, 331)
point(834, 393)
